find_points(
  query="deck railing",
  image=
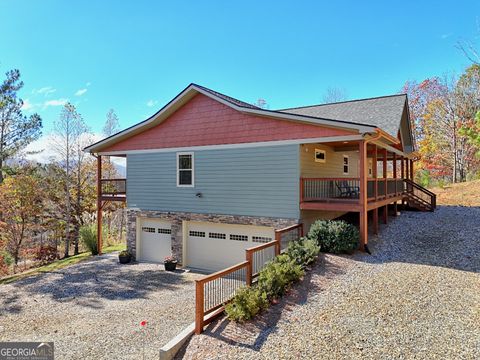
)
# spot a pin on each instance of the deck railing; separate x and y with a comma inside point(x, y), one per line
point(288, 234)
point(318, 189)
point(422, 194)
point(215, 290)
point(114, 187)
point(348, 189)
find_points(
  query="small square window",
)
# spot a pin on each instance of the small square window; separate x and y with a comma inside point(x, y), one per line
point(320, 156)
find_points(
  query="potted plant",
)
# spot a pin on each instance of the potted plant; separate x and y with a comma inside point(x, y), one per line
point(170, 263)
point(124, 257)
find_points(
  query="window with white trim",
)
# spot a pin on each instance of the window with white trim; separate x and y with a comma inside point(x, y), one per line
point(185, 175)
point(346, 165)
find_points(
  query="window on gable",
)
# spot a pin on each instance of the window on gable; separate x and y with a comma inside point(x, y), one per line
point(320, 156)
point(185, 176)
point(346, 165)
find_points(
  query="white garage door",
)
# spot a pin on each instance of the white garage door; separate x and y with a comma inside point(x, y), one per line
point(213, 247)
point(155, 240)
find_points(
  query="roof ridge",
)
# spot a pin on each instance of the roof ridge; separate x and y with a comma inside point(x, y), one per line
point(228, 98)
point(343, 102)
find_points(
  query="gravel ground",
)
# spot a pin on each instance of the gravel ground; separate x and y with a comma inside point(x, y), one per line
point(92, 310)
point(416, 297)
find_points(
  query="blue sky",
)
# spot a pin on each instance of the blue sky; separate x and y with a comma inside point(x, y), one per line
point(134, 56)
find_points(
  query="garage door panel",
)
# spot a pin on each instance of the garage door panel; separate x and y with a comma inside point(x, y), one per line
point(155, 240)
point(213, 246)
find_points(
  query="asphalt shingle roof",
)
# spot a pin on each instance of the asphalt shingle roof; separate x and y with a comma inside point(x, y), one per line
point(384, 112)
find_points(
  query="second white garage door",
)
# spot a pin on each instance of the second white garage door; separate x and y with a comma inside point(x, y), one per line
point(155, 240)
point(213, 246)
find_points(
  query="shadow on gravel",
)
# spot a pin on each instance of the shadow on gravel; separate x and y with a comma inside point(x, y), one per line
point(448, 237)
point(88, 284)
point(253, 334)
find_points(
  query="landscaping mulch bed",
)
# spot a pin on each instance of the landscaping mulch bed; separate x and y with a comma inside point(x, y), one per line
point(417, 296)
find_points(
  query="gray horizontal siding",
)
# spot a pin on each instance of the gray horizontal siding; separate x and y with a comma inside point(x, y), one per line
point(262, 181)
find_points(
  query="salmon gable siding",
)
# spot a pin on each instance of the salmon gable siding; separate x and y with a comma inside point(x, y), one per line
point(204, 121)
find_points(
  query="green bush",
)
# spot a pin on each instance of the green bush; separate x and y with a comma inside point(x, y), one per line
point(88, 234)
point(303, 252)
point(247, 303)
point(335, 236)
point(277, 275)
point(6, 258)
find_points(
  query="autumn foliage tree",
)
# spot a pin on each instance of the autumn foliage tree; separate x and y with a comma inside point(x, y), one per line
point(22, 202)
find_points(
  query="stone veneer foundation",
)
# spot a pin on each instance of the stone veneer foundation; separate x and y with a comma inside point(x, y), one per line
point(177, 218)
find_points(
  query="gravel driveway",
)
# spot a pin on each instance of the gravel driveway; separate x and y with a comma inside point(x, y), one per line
point(416, 297)
point(92, 310)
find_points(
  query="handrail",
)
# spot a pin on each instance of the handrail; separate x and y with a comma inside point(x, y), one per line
point(420, 187)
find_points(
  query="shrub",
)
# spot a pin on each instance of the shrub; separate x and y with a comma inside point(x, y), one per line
point(6, 258)
point(303, 252)
point(88, 234)
point(46, 254)
point(247, 303)
point(335, 236)
point(277, 275)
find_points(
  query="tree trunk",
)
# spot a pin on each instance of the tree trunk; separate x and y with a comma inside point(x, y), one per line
point(1, 170)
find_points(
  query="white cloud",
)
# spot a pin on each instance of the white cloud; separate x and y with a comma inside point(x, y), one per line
point(55, 102)
point(47, 90)
point(27, 105)
point(151, 103)
point(80, 92)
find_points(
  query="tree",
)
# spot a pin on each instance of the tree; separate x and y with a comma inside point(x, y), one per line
point(334, 94)
point(112, 125)
point(469, 50)
point(22, 200)
point(261, 103)
point(67, 132)
point(16, 129)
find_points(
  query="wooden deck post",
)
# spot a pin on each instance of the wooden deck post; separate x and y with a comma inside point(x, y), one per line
point(249, 258)
point(99, 204)
point(199, 295)
point(278, 239)
point(411, 169)
point(374, 170)
point(375, 191)
point(402, 167)
point(385, 154)
point(407, 169)
point(363, 195)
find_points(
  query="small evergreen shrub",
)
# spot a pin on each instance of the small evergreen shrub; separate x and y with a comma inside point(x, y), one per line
point(247, 303)
point(303, 252)
point(277, 275)
point(335, 236)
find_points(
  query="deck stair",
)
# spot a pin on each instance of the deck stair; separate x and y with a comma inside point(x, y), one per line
point(419, 198)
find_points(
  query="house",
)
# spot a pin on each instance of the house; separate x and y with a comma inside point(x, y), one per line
point(209, 175)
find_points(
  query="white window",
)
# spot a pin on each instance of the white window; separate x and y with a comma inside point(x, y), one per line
point(185, 175)
point(320, 156)
point(346, 165)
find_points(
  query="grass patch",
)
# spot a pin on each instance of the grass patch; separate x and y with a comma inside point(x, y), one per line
point(464, 194)
point(59, 264)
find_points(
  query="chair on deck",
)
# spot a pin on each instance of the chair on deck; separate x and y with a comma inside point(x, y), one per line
point(347, 190)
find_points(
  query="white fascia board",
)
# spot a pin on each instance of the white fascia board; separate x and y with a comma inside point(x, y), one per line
point(238, 146)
